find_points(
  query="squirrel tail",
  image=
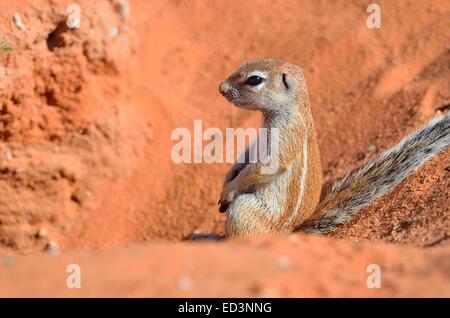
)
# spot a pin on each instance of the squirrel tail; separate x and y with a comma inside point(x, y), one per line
point(361, 187)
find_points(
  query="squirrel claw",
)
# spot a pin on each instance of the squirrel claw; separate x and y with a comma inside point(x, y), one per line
point(223, 207)
point(226, 197)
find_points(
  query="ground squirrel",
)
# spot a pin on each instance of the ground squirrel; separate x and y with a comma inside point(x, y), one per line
point(288, 199)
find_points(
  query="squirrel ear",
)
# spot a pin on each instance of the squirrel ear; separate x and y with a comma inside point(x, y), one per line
point(285, 80)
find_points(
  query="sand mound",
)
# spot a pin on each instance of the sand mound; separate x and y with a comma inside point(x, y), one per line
point(86, 117)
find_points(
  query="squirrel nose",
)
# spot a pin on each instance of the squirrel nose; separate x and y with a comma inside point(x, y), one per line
point(224, 88)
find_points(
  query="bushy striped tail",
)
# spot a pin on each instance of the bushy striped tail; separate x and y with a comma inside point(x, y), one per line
point(361, 187)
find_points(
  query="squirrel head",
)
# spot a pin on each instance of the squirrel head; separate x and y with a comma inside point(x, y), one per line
point(266, 85)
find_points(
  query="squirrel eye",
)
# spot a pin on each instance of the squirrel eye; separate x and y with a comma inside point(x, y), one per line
point(254, 80)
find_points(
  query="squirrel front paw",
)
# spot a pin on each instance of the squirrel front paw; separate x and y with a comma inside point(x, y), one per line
point(226, 197)
point(223, 207)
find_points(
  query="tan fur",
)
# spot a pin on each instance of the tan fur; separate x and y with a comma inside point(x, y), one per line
point(287, 200)
point(294, 120)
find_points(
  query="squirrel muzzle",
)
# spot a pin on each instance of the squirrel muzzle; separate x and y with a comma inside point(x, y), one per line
point(228, 91)
point(224, 88)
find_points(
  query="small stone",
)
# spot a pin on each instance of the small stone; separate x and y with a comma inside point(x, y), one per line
point(122, 7)
point(372, 148)
point(42, 233)
point(18, 22)
point(80, 196)
point(200, 236)
point(53, 248)
point(8, 156)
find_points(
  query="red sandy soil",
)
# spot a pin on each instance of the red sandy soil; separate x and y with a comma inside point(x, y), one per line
point(85, 122)
point(267, 267)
